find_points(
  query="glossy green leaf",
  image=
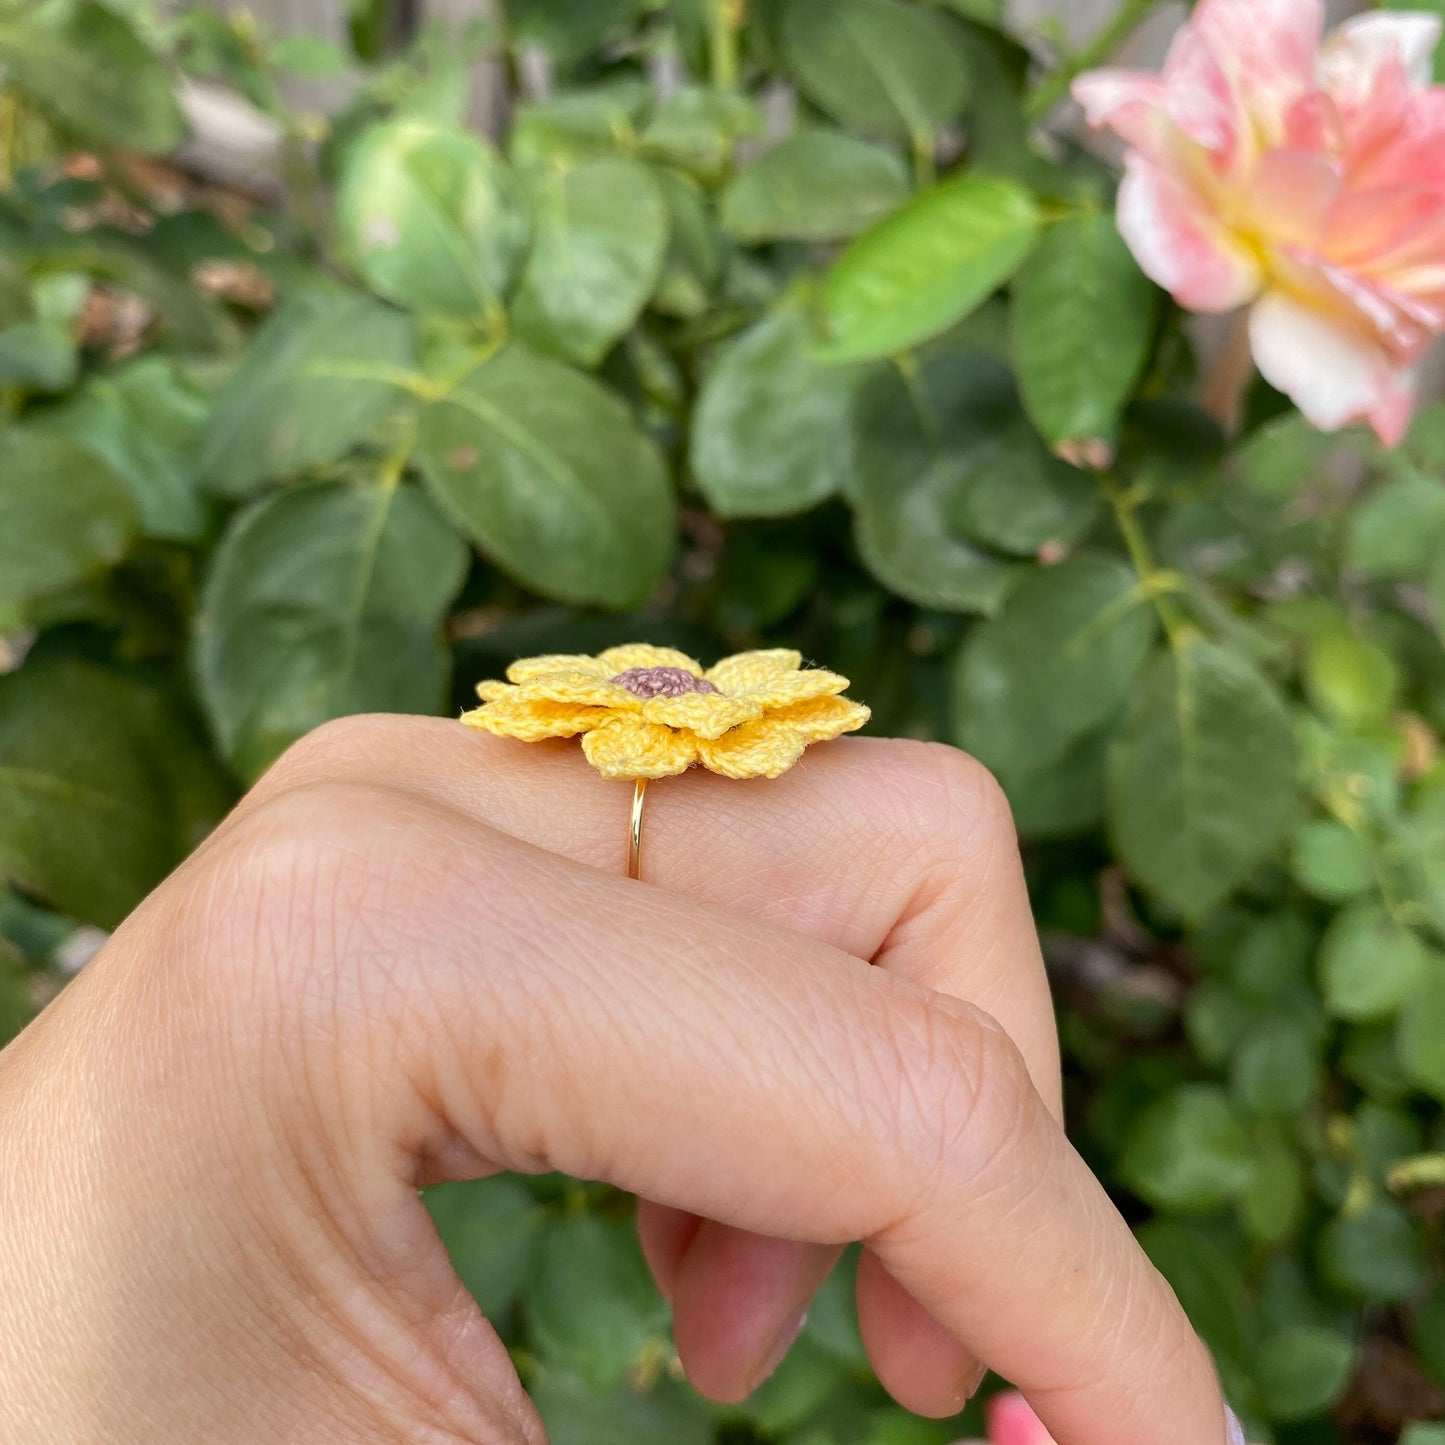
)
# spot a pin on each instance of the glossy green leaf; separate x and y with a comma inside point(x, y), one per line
point(323, 601)
point(879, 65)
point(576, 1413)
point(1083, 321)
point(918, 439)
point(601, 235)
point(105, 785)
point(592, 1305)
point(1273, 1203)
point(1055, 664)
point(37, 356)
point(1375, 1256)
point(1188, 1152)
point(548, 474)
point(489, 1227)
point(1302, 1371)
point(1350, 679)
point(697, 252)
point(1202, 785)
point(432, 218)
point(1332, 861)
point(815, 186)
point(926, 267)
point(88, 70)
point(313, 386)
point(1420, 1040)
point(566, 29)
point(697, 129)
point(1369, 965)
point(64, 514)
point(144, 422)
point(770, 435)
point(1398, 529)
point(1276, 1068)
point(1064, 797)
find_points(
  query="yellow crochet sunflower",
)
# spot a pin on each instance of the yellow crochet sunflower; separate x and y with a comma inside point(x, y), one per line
point(651, 712)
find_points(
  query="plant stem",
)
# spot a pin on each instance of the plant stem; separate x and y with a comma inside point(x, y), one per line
point(1055, 86)
point(1152, 577)
point(727, 20)
point(925, 160)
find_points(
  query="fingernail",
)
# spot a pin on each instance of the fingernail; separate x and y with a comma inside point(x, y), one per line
point(1236, 1430)
point(970, 1382)
point(787, 1338)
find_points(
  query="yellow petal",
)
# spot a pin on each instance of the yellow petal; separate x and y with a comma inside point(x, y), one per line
point(627, 747)
point(644, 654)
point(531, 721)
point(708, 714)
point(766, 748)
point(575, 686)
point(786, 688)
point(526, 668)
point(746, 670)
point(821, 718)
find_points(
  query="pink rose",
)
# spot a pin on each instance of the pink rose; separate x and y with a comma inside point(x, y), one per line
point(1303, 176)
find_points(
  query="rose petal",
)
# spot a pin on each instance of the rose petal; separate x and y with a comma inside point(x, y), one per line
point(1291, 197)
point(1012, 1422)
point(531, 720)
point(1335, 372)
point(1128, 102)
point(745, 670)
point(822, 718)
point(1352, 58)
point(643, 654)
point(1267, 46)
point(1180, 244)
point(709, 714)
point(529, 667)
point(762, 749)
point(1200, 98)
point(628, 747)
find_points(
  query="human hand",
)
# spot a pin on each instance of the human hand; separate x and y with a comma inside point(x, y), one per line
point(408, 956)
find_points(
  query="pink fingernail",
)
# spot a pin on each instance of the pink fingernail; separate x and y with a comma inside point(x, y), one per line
point(1236, 1430)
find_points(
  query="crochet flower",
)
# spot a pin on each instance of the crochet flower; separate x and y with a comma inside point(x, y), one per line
point(652, 712)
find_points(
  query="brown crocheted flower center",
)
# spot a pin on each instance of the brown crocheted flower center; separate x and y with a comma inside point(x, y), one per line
point(662, 681)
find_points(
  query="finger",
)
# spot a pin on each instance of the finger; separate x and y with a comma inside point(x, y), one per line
point(898, 852)
point(721, 1066)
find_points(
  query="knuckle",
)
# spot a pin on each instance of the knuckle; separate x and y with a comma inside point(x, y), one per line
point(959, 1091)
point(950, 801)
point(333, 746)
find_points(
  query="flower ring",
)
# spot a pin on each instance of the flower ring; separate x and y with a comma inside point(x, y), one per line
point(648, 712)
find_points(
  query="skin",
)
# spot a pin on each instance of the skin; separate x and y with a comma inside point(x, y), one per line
point(410, 955)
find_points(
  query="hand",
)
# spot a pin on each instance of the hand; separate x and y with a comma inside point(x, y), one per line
point(409, 956)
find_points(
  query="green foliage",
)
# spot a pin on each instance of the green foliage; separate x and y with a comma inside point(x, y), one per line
point(885, 386)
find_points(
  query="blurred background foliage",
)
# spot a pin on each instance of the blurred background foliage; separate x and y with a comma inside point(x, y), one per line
point(773, 324)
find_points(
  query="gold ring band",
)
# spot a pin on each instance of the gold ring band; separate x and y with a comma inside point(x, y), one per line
point(634, 833)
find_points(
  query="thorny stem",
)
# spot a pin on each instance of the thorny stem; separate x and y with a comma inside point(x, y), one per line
point(1055, 86)
point(1154, 579)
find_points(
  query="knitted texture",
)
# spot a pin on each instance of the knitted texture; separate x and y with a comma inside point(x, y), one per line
point(652, 712)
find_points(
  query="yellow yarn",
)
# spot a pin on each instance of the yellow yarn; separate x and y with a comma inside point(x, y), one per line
point(758, 715)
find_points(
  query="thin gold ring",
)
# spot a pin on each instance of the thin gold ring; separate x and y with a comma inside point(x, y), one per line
point(634, 833)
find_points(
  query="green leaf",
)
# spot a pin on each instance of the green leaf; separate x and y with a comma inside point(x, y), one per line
point(1187, 1152)
point(548, 474)
point(1376, 1256)
point(1397, 529)
point(921, 436)
point(1302, 1371)
point(1423, 1434)
point(432, 218)
point(815, 186)
point(1332, 862)
point(696, 252)
point(1277, 1067)
point(144, 422)
point(1351, 680)
point(1271, 1207)
point(1202, 778)
point(696, 129)
point(877, 65)
point(1064, 798)
point(1055, 664)
point(1206, 1280)
point(89, 72)
point(576, 1413)
point(1282, 456)
point(927, 266)
point(592, 1305)
point(64, 515)
point(1369, 965)
point(770, 433)
point(16, 1003)
point(311, 387)
point(37, 356)
point(324, 601)
point(1083, 320)
point(601, 235)
point(1420, 1040)
point(489, 1227)
point(566, 29)
point(104, 787)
